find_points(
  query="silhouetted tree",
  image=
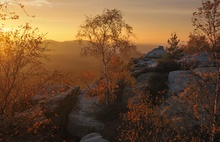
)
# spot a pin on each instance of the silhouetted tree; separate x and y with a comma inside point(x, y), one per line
point(21, 54)
point(22, 75)
point(173, 51)
point(196, 43)
point(206, 21)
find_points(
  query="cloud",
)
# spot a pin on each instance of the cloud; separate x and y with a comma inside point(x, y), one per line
point(37, 3)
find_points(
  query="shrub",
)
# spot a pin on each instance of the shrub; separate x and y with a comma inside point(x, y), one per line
point(166, 66)
point(157, 87)
point(196, 43)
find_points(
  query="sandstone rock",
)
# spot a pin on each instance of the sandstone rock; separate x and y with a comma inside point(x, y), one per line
point(189, 91)
point(141, 84)
point(50, 111)
point(93, 137)
point(202, 59)
point(58, 107)
point(82, 119)
point(177, 81)
point(148, 61)
point(156, 53)
point(143, 78)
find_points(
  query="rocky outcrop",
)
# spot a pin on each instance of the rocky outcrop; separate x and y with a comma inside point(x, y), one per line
point(148, 61)
point(190, 90)
point(156, 53)
point(143, 79)
point(197, 77)
point(141, 83)
point(93, 137)
point(58, 107)
point(82, 120)
point(202, 59)
point(177, 81)
point(47, 115)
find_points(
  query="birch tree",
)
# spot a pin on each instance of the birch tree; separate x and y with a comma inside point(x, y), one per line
point(107, 34)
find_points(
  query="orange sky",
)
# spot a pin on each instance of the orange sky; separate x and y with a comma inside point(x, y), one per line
point(152, 20)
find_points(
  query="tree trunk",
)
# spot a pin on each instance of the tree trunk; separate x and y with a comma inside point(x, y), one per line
point(216, 99)
point(106, 84)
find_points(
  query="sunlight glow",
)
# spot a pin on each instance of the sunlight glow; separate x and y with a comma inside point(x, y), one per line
point(152, 21)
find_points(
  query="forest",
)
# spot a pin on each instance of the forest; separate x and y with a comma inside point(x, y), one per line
point(104, 87)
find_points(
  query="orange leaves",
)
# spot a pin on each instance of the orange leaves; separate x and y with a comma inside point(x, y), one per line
point(85, 77)
point(136, 119)
point(196, 43)
point(107, 35)
point(195, 109)
point(105, 89)
point(206, 20)
point(99, 91)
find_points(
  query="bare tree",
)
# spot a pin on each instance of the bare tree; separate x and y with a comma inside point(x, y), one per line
point(207, 21)
point(107, 33)
point(196, 43)
point(21, 59)
point(7, 10)
point(23, 53)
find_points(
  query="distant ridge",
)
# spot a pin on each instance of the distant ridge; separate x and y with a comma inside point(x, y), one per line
point(143, 48)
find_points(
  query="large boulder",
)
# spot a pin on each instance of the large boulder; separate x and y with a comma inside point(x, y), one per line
point(177, 82)
point(202, 59)
point(44, 118)
point(143, 79)
point(82, 119)
point(93, 137)
point(57, 108)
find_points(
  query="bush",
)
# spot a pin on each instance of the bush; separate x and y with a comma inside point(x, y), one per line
point(196, 43)
point(166, 66)
point(158, 87)
point(110, 114)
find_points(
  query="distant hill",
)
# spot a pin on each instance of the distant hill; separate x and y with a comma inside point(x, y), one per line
point(65, 56)
point(145, 48)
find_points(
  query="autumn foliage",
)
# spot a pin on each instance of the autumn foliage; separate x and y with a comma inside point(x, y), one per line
point(118, 74)
point(107, 34)
point(23, 53)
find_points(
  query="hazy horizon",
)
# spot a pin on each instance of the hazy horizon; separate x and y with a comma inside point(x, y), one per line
point(141, 47)
point(153, 21)
point(65, 56)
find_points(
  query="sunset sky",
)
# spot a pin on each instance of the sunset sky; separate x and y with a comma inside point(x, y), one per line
point(152, 20)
